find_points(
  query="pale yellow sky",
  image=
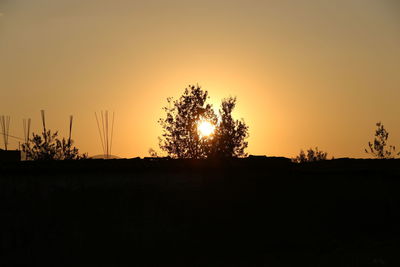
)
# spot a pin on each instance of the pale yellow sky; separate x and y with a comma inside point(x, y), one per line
point(306, 73)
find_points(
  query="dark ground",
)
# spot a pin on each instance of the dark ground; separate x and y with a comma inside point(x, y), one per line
point(244, 212)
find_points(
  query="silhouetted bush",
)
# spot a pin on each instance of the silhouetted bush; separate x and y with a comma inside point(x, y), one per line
point(48, 147)
point(181, 139)
point(378, 147)
point(153, 153)
point(312, 155)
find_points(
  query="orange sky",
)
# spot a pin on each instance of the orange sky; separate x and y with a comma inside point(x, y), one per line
point(306, 73)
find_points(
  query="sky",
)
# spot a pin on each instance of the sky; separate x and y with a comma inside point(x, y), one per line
point(305, 73)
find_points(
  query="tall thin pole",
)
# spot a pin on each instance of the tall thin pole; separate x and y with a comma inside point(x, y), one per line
point(98, 127)
point(26, 123)
point(106, 119)
point(5, 125)
point(112, 131)
point(29, 128)
point(104, 137)
point(24, 127)
point(44, 125)
point(70, 129)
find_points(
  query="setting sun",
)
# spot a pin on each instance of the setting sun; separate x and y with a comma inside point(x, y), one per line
point(205, 128)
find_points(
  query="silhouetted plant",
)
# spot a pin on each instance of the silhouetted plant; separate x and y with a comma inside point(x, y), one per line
point(312, 155)
point(153, 153)
point(48, 147)
point(181, 138)
point(230, 133)
point(378, 147)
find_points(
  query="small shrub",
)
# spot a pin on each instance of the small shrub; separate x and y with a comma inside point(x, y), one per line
point(312, 155)
point(377, 148)
point(48, 147)
point(153, 153)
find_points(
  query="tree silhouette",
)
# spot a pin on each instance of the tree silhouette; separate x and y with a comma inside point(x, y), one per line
point(378, 147)
point(181, 138)
point(312, 155)
point(48, 147)
point(230, 133)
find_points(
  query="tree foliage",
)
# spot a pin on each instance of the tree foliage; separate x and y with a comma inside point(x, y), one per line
point(311, 156)
point(377, 148)
point(230, 133)
point(49, 147)
point(181, 139)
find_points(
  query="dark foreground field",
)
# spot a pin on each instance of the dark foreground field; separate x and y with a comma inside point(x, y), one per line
point(247, 212)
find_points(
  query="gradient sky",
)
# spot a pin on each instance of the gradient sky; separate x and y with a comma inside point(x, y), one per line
point(306, 73)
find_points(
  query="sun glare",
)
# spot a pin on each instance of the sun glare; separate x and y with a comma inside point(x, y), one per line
point(205, 128)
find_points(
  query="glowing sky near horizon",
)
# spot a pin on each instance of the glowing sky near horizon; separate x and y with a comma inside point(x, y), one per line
point(305, 73)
